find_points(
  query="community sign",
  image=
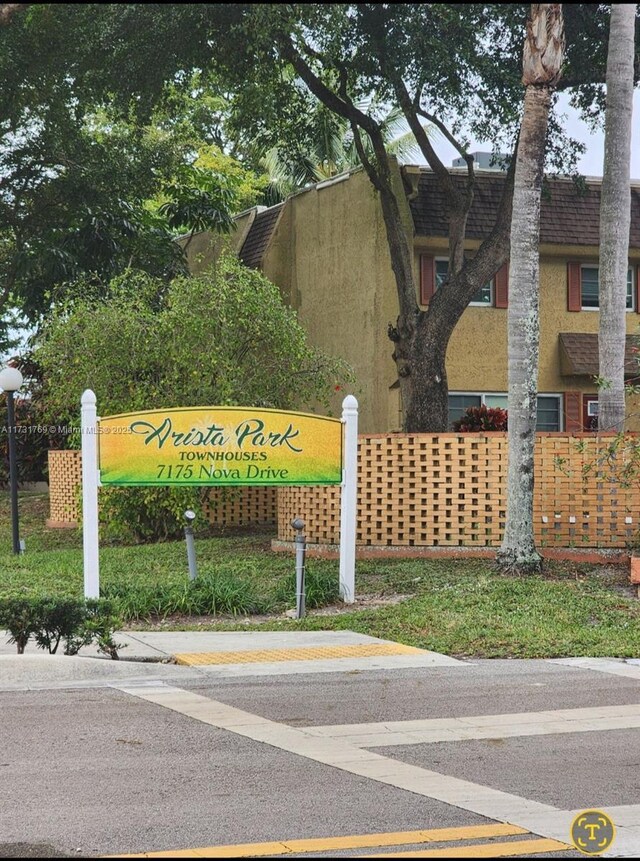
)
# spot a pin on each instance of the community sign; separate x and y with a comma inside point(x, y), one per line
point(219, 446)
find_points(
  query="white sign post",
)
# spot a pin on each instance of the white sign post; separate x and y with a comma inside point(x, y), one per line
point(89, 429)
point(349, 501)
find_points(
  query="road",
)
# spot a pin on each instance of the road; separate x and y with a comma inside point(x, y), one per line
point(470, 758)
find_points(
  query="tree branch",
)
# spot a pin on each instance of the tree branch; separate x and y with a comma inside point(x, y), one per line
point(8, 10)
point(345, 108)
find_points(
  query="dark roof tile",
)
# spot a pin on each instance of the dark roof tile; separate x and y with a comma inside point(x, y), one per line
point(257, 239)
point(567, 216)
point(579, 354)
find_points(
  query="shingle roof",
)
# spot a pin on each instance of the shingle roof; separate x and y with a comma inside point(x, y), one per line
point(257, 239)
point(567, 217)
point(579, 354)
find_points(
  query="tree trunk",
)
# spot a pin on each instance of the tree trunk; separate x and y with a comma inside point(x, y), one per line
point(615, 217)
point(542, 60)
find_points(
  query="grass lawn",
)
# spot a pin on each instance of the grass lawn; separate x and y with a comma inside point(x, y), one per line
point(460, 607)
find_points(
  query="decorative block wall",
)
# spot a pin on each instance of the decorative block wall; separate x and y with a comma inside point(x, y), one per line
point(241, 506)
point(65, 480)
point(450, 490)
point(429, 490)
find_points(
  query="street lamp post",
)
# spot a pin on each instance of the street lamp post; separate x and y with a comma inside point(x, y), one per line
point(10, 382)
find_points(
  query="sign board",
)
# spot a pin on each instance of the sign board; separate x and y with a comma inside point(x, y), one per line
point(219, 446)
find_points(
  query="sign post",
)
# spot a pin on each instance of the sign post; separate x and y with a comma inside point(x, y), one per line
point(89, 430)
point(349, 500)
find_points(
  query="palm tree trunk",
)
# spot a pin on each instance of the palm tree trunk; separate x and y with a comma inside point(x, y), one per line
point(542, 61)
point(615, 217)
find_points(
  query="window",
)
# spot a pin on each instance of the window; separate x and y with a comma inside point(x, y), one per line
point(584, 288)
point(483, 296)
point(458, 405)
point(548, 413)
point(433, 272)
point(590, 288)
point(548, 407)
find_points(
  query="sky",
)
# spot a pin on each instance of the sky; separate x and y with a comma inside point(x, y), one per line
point(591, 163)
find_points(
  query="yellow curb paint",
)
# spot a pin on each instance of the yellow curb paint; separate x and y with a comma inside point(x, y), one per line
point(326, 844)
point(517, 848)
point(313, 653)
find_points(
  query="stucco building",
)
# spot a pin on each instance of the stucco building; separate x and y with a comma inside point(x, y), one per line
point(325, 247)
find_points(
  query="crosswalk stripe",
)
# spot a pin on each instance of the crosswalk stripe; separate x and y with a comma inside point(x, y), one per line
point(327, 844)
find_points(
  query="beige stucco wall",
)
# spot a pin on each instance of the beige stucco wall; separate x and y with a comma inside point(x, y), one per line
point(329, 257)
point(204, 247)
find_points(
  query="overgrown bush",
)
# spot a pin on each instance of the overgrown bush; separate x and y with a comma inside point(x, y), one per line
point(140, 513)
point(476, 419)
point(52, 620)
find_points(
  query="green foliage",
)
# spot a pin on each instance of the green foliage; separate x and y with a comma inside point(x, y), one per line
point(142, 513)
point(199, 200)
point(20, 618)
point(89, 187)
point(221, 338)
point(482, 418)
point(208, 594)
point(57, 619)
point(33, 441)
point(224, 337)
point(321, 588)
point(52, 619)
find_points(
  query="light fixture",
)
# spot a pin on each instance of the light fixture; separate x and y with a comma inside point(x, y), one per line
point(10, 381)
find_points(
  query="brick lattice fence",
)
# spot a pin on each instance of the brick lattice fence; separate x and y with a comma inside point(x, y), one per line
point(449, 490)
point(429, 490)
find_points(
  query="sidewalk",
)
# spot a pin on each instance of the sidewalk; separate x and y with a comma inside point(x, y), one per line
point(198, 654)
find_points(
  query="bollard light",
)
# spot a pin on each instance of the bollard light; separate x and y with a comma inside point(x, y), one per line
point(298, 525)
point(10, 381)
point(189, 517)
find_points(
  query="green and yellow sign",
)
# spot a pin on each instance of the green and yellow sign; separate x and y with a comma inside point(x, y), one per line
point(219, 446)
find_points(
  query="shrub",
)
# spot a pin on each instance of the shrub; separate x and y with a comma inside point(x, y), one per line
point(20, 617)
point(142, 513)
point(476, 419)
point(52, 620)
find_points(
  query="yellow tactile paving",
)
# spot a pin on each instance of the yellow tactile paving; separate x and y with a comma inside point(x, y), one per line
point(311, 653)
point(516, 849)
point(329, 844)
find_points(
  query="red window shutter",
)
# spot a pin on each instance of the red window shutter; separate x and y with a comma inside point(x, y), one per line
point(573, 412)
point(502, 286)
point(574, 287)
point(427, 278)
